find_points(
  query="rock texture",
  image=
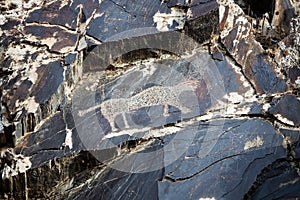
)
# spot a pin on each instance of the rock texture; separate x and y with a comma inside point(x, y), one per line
point(149, 99)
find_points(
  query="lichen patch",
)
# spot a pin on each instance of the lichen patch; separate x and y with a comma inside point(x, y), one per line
point(256, 142)
point(174, 20)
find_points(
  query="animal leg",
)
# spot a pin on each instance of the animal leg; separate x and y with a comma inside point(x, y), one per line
point(125, 120)
point(166, 110)
point(111, 120)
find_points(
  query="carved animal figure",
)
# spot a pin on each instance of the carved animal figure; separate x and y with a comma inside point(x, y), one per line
point(156, 95)
point(153, 96)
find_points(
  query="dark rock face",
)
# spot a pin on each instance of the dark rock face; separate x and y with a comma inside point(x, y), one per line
point(50, 78)
point(249, 54)
point(54, 35)
point(287, 107)
point(151, 99)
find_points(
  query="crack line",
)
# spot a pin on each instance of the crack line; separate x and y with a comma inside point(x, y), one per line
point(191, 176)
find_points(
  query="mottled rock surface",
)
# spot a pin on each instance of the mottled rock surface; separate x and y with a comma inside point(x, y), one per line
point(149, 99)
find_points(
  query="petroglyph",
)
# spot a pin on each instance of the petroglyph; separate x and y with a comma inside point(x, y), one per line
point(156, 95)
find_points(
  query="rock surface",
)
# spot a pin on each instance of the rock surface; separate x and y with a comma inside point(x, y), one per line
point(150, 99)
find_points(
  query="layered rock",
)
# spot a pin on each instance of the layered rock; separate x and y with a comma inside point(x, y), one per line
point(149, 100)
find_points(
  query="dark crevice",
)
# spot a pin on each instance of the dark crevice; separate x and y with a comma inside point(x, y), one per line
point(264, 116)
point(47, 149)
point(93, 37)
point(39, 45)
point(276, 169)
point(238, 65)
point(263, 12)
point(132, 144)
point(23, 127)
point(274, 118)
point(245, 173)
point(4, 72)
point(195, 174)
point(45, 24)
point(31, 122)
point(257, 8)
point(291, 156)
point(140, 55)
point(130, 57)
point(8, 137)
point(271, 171)
point(122, 8)
point(269, 117)
point(34, 44)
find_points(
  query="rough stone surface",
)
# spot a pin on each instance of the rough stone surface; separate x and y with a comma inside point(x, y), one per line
point(150, 99)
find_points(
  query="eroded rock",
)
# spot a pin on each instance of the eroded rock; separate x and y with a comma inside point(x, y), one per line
point(172, 99)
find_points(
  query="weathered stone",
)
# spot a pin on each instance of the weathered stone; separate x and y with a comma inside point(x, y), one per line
point(283, 14)
point(110, 52)
point(10, 25)
point(202, 8)
point(287, 107)
point(59, 170)
point(278, 180)
point(173, 99)
point(56, 38)
point(189, 176)
point(204, 21)
point(56, 13)
point(17, 94)
point(117, 181)
point(257, 9)
point(50, 77)
point(53, 129)
point(115, 17)
point(248, 52)
point(294, 73)
point(216, 53)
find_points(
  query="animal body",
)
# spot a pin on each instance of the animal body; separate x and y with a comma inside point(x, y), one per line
point(156, 95)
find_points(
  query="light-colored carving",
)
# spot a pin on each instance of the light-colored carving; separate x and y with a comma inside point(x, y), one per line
point(156, 95)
